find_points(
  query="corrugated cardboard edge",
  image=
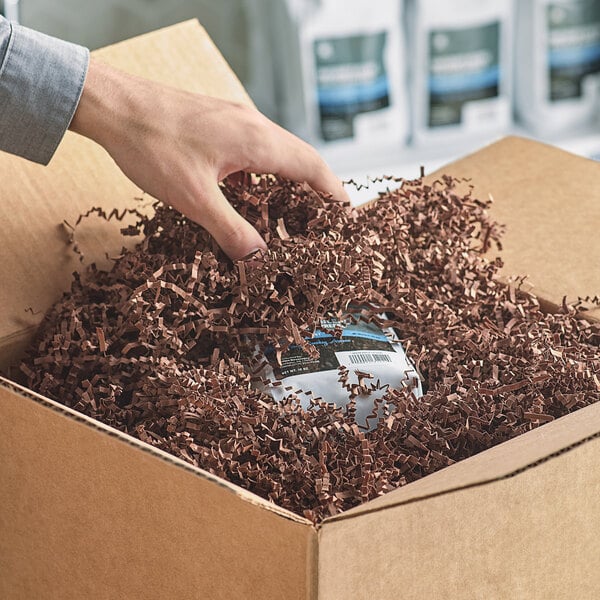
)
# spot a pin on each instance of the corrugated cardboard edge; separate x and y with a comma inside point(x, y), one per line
point(247, 496)
point(312, 566)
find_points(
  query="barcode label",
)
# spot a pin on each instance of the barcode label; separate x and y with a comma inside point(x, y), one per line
point(361, 358)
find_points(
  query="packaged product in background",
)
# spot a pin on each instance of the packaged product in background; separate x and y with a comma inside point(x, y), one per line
point(350, 353)
point(558, 70)
point(460, 69)
point(340, 73)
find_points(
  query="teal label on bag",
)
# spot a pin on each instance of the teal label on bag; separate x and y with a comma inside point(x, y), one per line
point(464, 66)
point(351, 79)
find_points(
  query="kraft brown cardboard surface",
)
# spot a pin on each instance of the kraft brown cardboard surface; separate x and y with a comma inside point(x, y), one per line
point(531, 536)
point(549, 201)
point(84, 514)
point(35, 262)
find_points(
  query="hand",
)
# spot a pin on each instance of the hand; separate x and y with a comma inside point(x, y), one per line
point(177, 146)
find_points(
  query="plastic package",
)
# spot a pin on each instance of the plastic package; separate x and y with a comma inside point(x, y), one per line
point(374, 359)
point(340, 73)
point(558, 80)
point(461, 53)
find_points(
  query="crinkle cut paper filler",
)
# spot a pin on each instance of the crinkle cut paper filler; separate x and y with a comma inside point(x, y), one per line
point(157, 347)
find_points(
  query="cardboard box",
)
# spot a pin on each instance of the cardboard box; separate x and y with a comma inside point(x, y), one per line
point(87, 512)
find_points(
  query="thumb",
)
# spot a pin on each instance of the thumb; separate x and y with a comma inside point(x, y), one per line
point(236, 237)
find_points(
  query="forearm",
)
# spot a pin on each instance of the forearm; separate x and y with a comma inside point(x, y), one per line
point(41, 79)
point(114, 106)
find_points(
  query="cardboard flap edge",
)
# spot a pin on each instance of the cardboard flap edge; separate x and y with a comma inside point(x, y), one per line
point(72, 414)
point(500, 462)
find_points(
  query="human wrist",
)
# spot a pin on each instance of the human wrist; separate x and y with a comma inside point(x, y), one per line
point(103, 104)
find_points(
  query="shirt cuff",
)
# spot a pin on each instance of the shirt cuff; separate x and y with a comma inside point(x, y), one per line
point(4, 37)
point(41, 80)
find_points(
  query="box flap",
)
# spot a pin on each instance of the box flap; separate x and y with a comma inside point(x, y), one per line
point(549, 201)
point(35, 262)
point(499, 462)
point(533, 535)
point(83, 504)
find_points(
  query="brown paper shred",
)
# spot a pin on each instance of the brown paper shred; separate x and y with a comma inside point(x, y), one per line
point(281, 230)
point(101, 339)
point(159, 346)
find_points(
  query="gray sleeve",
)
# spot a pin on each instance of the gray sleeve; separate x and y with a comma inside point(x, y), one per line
point(41, 80)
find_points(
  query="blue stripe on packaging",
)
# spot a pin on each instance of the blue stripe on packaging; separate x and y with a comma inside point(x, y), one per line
point(443, 84)
point(353, 93)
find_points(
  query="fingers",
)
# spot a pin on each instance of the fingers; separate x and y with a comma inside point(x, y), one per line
point(287, 155)
point(236, 237)
point(323, 179)
point(301, 162)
